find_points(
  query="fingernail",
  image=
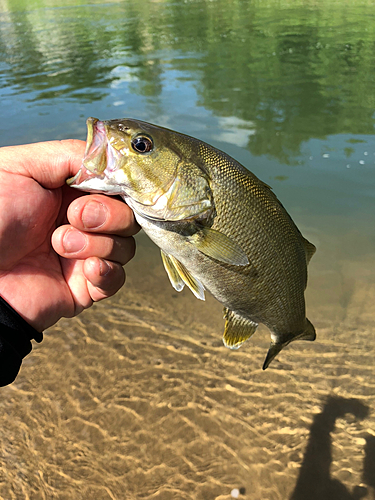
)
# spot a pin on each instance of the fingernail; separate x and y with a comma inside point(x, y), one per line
point(74, 241)
point(94, 215)
point(105, 268)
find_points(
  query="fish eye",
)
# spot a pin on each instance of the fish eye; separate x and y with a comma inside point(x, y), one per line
point(142, 144)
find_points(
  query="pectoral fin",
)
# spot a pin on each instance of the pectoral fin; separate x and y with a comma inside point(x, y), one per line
point(276, 347)
point(237, 329)
point(180, 276)
point(218, 246)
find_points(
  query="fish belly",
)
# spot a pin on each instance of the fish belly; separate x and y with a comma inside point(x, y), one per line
point(242, 289)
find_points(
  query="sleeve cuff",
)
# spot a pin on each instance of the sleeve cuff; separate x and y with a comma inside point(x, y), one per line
point(15, 342)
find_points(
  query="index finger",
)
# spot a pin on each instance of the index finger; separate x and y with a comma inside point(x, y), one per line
point(102, 214)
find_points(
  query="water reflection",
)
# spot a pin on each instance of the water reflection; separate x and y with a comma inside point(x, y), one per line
point(292, 81)
point(315, 479)
point(48, 68)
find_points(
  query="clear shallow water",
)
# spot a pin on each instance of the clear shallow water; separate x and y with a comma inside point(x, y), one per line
point(137, 398)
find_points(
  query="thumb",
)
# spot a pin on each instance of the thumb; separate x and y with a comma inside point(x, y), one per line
point(49, 163)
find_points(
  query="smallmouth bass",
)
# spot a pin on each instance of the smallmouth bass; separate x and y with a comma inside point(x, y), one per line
point(218, 226)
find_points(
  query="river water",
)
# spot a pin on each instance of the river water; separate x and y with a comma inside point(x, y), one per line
point(137, 398)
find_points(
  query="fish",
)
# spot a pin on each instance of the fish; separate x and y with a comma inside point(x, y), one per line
point(218, 226)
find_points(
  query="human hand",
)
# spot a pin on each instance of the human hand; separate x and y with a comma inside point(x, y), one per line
point(60, 250)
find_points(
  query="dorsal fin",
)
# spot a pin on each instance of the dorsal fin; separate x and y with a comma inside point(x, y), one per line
point(310, 249)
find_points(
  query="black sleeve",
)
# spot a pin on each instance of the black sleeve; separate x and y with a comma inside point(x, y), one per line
point(15, 337)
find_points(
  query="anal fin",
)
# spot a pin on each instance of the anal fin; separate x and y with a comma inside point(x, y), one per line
point(237, 329)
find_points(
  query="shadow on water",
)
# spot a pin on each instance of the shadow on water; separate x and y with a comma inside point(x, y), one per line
point(314, 480)
point(369, 465)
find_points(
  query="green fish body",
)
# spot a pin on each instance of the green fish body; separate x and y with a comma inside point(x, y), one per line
point(218, 226)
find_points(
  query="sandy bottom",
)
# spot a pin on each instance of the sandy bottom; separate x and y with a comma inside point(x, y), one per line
point(138, 398)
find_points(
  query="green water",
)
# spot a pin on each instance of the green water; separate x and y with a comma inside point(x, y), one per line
point(288, 89)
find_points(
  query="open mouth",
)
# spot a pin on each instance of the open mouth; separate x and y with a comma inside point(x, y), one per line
point(100, 162)
point(95, 159)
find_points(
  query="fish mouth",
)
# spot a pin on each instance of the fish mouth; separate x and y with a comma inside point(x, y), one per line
point(95, 159)
point(99, 160)
point(102, 167)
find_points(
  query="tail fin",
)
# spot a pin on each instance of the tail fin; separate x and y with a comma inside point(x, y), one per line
point(276, 347)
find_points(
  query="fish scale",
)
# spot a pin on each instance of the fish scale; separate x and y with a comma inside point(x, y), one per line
point(218, 226)
point(256, 202)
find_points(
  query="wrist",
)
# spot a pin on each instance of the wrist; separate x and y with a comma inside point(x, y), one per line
point(12, 319)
